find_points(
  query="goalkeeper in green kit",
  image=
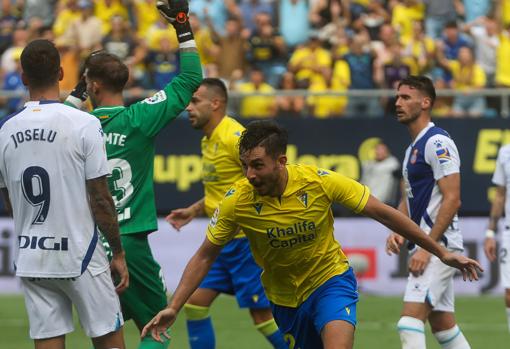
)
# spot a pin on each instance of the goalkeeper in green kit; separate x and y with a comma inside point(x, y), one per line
point(129, 136)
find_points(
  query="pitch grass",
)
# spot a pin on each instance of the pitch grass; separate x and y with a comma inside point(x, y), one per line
point(481, 318)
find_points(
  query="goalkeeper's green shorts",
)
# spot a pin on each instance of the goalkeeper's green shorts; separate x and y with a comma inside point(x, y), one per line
point(146, 294)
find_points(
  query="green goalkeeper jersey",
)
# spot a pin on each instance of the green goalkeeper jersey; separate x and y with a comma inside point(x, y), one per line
point(129, 137)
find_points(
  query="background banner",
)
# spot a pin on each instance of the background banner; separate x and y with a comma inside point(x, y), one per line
point(361, 238)
point(338, 144)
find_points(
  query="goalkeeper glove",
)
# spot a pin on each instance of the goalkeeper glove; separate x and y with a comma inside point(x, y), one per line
point(176, 13)
point(80, 90)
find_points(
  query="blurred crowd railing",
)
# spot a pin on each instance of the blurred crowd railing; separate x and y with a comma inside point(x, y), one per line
point(241, 103)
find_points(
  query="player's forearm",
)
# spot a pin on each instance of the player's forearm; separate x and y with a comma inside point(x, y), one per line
point(497, 209)
point(198, 208)
point(103, 210)
point(400, 224)
point(445, 215)
point(195, 271)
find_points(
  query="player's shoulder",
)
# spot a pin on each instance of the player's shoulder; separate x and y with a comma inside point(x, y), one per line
point(230, 129)
point(306, 174)
point(438, 137)
point(504, 151)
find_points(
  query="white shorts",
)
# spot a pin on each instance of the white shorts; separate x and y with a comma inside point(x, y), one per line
point(49, 305)
point(504, 259)
point(435, 286)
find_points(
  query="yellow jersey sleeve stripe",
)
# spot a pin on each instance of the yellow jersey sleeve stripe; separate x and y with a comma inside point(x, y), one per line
point(363, 201)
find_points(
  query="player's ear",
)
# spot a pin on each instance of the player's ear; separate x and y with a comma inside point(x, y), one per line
point(24, 79)
point(282, 161)
point(426, 103)
point(60, 74)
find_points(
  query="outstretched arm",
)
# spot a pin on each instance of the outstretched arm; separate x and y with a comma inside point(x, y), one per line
point(193, 274)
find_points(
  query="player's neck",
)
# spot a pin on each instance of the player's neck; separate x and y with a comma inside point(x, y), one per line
point(110, 100)
point(417, 126)
point(284, 178)
point(47, 94)
point(211, 126)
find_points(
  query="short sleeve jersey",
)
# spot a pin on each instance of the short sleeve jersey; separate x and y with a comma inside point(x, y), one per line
point(501, 177)
point(47, 153)
point(432, 156)
point(291, 236)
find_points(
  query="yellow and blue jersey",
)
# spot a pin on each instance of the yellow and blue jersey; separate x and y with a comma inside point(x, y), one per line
point(291, 236)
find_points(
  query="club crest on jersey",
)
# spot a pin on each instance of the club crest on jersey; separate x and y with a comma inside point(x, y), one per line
point(303, 198)
point(442, 152)
point(414, 157)
point(258, 207)
point(158, 97)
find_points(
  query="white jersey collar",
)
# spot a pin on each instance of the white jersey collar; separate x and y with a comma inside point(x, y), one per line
point(422, 133)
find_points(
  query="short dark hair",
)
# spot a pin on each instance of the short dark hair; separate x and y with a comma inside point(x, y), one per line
point(40, 62)
point(107, 69)
point(451, 25)
point(264, 133)
point(420, 83)
point(217, 86)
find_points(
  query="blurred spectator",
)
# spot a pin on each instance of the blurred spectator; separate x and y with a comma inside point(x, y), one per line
point(293, 20)
point(502, 54)
point(7, 25)
point(146, 15)
point(216, 11)
point(19, 41)
point(421, 48)
point(70, 62)
point(13, 83)
point(250, 9)
point(382, 175)
point(257, 106)
point(206, 48)
point(396, 69)
point(325, 106)
point(67, 12)
point(376, 15)
point(289, 105)
point(159, 30)
point(382, 48)
point(163, 64)
point(361, 66)
point(404, 13)
point(503, 10)
point(474, 9)
point(450, 45)
point(325, 11)
point(120, 40)
point(231, 47)
point(85, 31)
point(266, 49)
point(42, 9)
point(442, 104)
point(484, 31)
point(467, 76)
point(311, 63)
point(437, 14)
point(105, 10)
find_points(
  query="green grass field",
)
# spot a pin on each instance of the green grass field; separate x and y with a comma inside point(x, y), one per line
point(482, 320)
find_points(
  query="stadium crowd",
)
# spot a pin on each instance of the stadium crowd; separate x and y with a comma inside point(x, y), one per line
point(266, 45)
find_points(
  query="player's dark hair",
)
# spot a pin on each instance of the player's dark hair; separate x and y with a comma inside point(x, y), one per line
point(40, 62)
point(420, 83)
point(107, 69)
point(451, 25)
point(264, 133)
point(217, 87)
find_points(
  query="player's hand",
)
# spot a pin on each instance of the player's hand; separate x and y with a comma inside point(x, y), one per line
point(80, 90)
point(469, 267)
point(173, 10)
point(489, 247)
point(160, 324)
point(119, 271)
point(419, 261)
point(393, 243)
point(180, 217)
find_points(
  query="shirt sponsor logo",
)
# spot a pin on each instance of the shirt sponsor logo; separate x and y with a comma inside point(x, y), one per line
point(258, 207)
point(322, 173)
point(230, 192)
point(43, 243)
point(288, 237)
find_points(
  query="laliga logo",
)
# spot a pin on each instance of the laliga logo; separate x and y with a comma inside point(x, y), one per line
point(181, 17)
